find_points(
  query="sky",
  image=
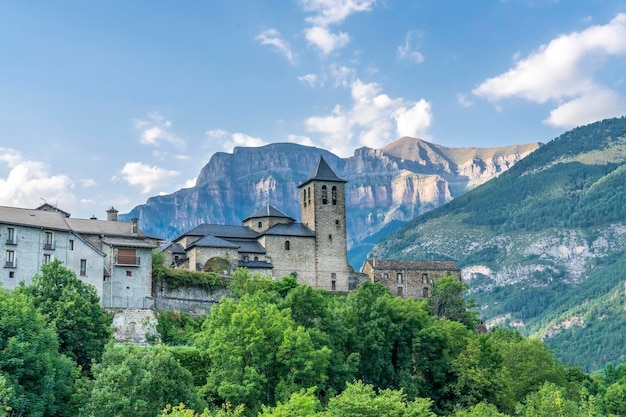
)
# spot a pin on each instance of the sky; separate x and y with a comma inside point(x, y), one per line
point(107, 103)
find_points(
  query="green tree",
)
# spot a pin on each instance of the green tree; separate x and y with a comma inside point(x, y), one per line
point(549, 400)
point(182, 411)
point(301, 404)
point(615, 399)
point(33, 374)
point(258, 354)
point(480, 410)
point(447, 301)
point(73, 307)
point(360, 400)
point(133, 381)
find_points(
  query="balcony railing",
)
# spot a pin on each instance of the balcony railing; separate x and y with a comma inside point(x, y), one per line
point(10, 264)
point(12, 241)
point(128, 260)
point(48, 246)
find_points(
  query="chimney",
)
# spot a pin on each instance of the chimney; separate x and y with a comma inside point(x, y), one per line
point(112, 214)
point(134, 228)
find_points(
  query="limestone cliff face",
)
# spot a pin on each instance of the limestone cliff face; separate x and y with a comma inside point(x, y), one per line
point(396, 183)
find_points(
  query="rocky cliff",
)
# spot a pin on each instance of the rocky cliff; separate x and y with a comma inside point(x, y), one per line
point(385, 186)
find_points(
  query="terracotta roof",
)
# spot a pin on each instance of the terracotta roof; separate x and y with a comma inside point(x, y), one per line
point(322, 172)
point(413, 265)
point(291, 229)
point(268, 211)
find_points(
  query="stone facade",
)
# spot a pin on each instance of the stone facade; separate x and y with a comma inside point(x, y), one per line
point(272, 243)
point(114, 257)
point(409, 279)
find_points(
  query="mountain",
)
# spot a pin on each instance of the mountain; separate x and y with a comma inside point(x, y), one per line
point(543, 245)
point(386, 187)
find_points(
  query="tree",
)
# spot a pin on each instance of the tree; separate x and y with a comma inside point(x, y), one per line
point(33, 374)
point(360, 400)
point(138, 382)
point(549, 400)
point(258, 354)
point(73, 307)
point(447, 301)
point(301, 404)
point(480, 410)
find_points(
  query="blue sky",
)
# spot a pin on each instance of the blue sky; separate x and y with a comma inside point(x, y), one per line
point(108, 103)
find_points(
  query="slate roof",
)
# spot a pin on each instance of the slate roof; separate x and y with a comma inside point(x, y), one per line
point(38, 218)
point(247, 246)
point(176, 247)
point(413, 265)
point(223, 231)
point(291, 229)
point(130, 243)
point(209, 241)
point(255, 264)
point(268, 211)
point(322, 172)
point(103, 227)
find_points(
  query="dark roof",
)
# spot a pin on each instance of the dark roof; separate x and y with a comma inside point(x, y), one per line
point(255, 264)
point(322, 172)
point(413, 265)
point(213, 242)
point(223, 231)
point(268, 211)
point(176, 247)
point(130, 243)
point(248, 246)
point(291, 229)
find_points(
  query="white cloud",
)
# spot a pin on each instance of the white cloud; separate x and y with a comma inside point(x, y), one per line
point(227, 141)
point(310, 79)
point(563, 71)
point(330, 12)
point(156, 129)
point(301, 140)
point(410, 48)
point(325, 40)
point(344, 76)
point(374, 119)
point(88, 183)
point(463, 100)
point(191, 182)
point(28, 182)
point(147, 177)
point(591, 107)
point(272, 37)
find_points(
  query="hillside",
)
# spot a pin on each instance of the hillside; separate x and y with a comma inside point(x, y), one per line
point(386, 187)
point(542, 246)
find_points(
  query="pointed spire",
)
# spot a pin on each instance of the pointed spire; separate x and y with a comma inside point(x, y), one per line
point(322, 172)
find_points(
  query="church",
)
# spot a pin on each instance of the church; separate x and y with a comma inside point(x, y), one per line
point(272, 243)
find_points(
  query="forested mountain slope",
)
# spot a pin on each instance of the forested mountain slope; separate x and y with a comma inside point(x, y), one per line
point(542, 246)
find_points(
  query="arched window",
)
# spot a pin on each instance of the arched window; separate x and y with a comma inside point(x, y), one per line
point(424, 278)
point(324, 195)
point(334, 195)
point(287, 245)
point(260, 224)
point(386, 276)
point(399, 278)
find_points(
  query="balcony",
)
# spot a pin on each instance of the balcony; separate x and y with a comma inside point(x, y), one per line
point(48, 246)
point(127, 260)
point(10, 264)
point(11, 241)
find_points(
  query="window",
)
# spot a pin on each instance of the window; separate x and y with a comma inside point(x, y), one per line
point(260, 224)
point(287, 245)
point(304, 197)
point(129, 273)
point(83, 267)
point(48, 243)
point(424, 278)
point(10, 263)
point(256, 258)
point(11, 236)
point(399, 278)
point(46, 259)
point(333, 281)
point(399, 291)
point(334, 195)
point(11, 274)
point(71, 244)
point(127, 257)
point(425, 292)
point(336, 222)
point(330, 237)
point(386, 276)
point(324, 195)
point(308, 192)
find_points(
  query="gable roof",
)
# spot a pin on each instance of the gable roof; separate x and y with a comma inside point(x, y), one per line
point(412, 265)
point(220, 230)
point(322, 172)
point(36, 218)
point(213, 242)
point(268, 211)
point(291, 229)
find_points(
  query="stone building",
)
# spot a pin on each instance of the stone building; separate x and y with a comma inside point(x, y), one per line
point(115, 257)
point(409, 279)
point(272, 243)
